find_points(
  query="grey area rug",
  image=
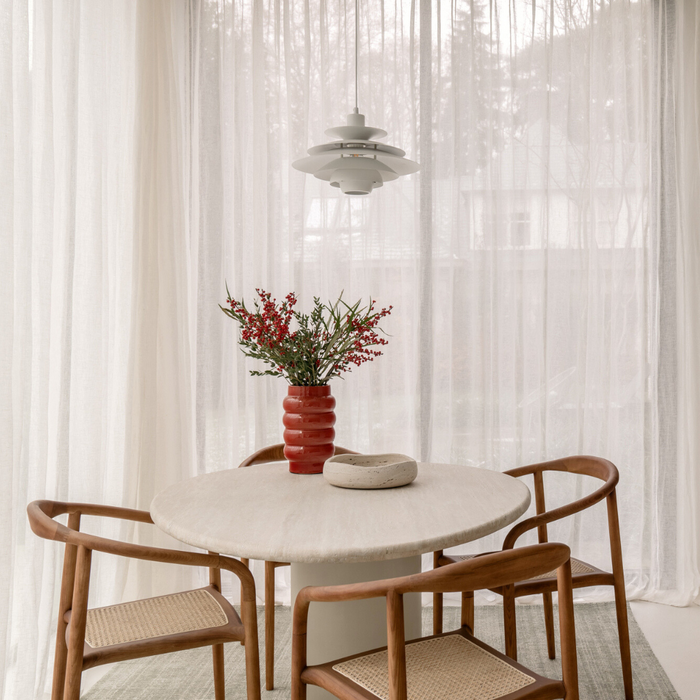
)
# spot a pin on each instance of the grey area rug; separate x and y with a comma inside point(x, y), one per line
point(187, 675)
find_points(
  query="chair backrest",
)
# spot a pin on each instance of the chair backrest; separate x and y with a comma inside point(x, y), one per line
point(275, 453)
point(41, 519)
point(595, 467)
point(500, 569)
point(487, 571)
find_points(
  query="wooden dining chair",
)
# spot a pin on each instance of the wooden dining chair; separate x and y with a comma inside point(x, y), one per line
point(201, 617)
point(273, 453)
point(453, 665)
point(583, 574)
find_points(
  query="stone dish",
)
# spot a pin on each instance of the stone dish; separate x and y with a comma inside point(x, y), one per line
point(384, 471)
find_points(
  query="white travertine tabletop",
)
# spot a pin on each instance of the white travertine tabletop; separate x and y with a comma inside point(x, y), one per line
point(266, 513)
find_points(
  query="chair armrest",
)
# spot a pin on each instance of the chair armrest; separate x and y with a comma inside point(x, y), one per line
point(484, 571)
point(582, 465)
point(273, 453)
point(551, 516)
point(139, 516)
point(41, 519)
point(349, 591)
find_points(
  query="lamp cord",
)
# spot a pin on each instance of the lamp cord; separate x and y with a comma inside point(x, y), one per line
point(357, 31)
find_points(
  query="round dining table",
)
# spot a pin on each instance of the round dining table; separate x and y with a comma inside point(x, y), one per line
point(334, 535)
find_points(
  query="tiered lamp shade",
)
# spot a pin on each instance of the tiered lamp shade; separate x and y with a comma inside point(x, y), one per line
point(357, 163)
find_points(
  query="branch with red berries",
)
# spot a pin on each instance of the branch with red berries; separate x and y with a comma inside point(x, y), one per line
point(322, 345)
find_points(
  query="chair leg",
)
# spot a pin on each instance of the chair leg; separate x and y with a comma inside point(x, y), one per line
point(269, 625)
point(67, 585)
point(620, 597)
point(549, 623)
point(217, 651)
point(76, 640)
point(252, 660)
point(59, 662)
point(437, 613)
point(468, 610)
point(246, 563)
point(567, 631)
point(624, 635)
point(437, 599)
point(509, 625)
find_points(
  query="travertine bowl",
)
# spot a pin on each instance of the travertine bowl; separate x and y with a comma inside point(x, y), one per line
point(385, 471)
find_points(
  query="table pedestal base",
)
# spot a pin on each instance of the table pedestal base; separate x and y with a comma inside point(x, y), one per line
point(342, 629)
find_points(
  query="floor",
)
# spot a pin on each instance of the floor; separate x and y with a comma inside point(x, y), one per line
point(673, 633)
point(674, 636)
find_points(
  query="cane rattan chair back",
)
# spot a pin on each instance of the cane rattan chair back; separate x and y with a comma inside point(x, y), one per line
point(454, 664)
point(583, 574)
point(273, 453)
point(88, 638)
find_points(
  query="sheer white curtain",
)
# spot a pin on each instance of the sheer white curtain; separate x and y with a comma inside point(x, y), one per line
point(67, 208)
point(530, 262)
point(95, 369)
point(542, 265)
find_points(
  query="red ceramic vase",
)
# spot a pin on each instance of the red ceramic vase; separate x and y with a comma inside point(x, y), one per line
point(308, 422)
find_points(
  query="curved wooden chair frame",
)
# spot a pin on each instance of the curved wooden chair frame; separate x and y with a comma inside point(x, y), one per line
point(273, 453)
point(74, 655)
point(589, 466)
point(499, 570)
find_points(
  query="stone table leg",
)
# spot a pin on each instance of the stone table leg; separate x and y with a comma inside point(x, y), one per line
point(342, 629)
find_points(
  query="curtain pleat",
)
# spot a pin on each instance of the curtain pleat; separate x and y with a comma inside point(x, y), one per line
point(688, 289)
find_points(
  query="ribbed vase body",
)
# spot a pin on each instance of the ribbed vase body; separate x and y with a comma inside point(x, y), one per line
point(308, 428)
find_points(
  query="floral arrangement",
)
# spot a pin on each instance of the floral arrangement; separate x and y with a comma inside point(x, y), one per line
point(322, 345)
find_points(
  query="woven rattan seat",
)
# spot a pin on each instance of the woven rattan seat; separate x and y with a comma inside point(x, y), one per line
point(577, 567)
point(153, 617)
point(450, 668)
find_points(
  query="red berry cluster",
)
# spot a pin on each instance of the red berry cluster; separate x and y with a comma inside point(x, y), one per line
point(324, 344)
point(364, 337)
point(269, 326)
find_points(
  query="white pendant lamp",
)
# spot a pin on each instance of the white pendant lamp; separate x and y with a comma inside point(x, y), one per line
point(356, 163)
